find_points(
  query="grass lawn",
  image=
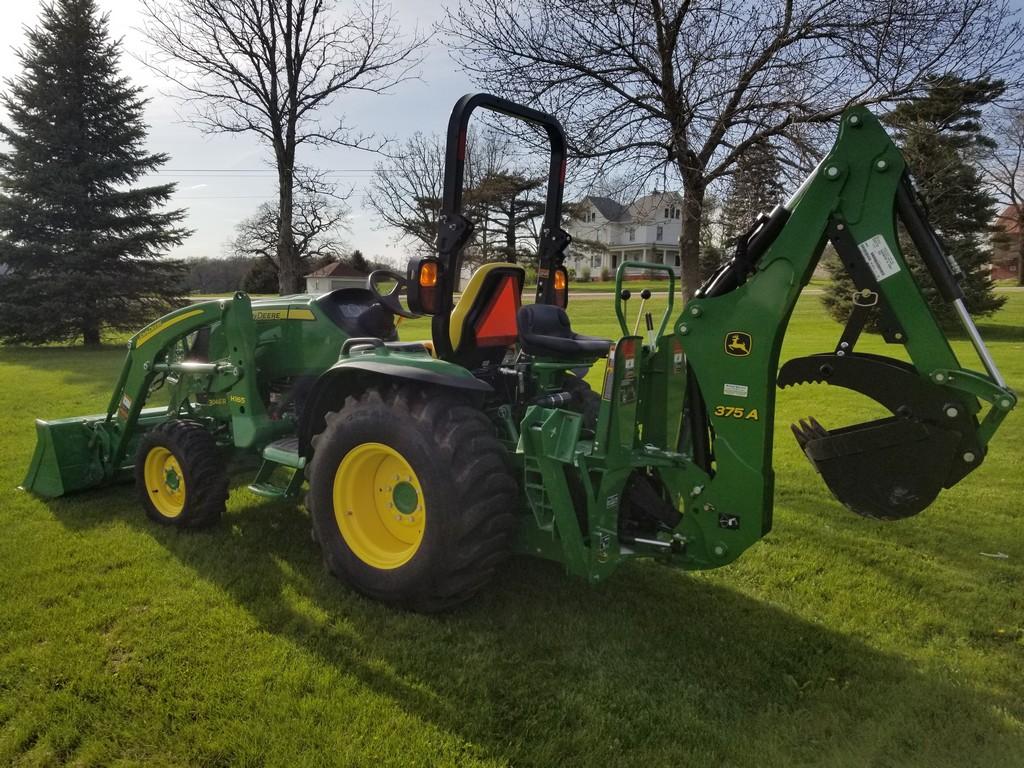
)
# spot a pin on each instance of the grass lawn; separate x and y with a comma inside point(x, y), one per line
point(836, 641)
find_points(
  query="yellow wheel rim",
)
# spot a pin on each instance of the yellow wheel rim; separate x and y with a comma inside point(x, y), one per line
point(378, 505)
point(165, 482)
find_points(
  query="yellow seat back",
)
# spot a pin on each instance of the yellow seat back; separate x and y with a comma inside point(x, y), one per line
point(485, 314)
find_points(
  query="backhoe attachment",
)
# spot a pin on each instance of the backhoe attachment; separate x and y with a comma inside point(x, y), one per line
point(894, 467)
point(861, 201)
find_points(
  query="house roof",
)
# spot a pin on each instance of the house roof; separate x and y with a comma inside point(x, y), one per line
point(607, 207)
point(643, 207)
point(638, 210)
point(337, 269)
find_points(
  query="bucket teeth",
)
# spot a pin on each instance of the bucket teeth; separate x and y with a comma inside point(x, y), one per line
point(808, 429)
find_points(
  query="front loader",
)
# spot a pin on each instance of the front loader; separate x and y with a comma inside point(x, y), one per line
point(429, 462)
point(226, 375)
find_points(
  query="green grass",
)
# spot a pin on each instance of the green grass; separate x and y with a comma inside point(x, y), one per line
point(608, 286)
point(835, 641)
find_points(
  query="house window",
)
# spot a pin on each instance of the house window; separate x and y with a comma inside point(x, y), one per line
point(632, 234)
point(660, 234)
point(675, 214)
point(666, 213)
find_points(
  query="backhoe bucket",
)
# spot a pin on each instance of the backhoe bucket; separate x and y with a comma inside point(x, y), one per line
point(67, 457)
point(886, 469)
point(894, 467)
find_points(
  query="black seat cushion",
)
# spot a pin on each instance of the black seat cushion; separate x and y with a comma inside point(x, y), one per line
point(358, 313)
point(544, 331)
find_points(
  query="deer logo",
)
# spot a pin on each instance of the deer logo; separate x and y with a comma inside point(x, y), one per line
point(738, 343)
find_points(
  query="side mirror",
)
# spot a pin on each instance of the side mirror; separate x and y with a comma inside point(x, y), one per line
point(424, 290)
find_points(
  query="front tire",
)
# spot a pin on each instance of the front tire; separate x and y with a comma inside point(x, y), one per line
point(180, 475)
point(411, 497)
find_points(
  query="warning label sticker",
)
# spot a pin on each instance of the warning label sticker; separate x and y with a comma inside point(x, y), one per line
point(879, 257)
point(736, 390)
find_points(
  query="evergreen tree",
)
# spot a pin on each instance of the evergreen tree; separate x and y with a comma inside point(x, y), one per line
point(261, 278)
point(358, 261)
point(82, 246)
point(755, 188)
point(715, 245)
point(941, 137)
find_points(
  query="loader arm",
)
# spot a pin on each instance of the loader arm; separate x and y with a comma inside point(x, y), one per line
point(83, 452)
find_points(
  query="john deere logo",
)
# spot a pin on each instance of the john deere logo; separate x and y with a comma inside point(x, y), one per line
point(738, 344)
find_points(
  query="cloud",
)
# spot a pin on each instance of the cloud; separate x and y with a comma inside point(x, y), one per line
point(199, 186)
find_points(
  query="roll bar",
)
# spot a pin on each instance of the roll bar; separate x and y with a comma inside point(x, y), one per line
point(455, 151)
point(454, 229)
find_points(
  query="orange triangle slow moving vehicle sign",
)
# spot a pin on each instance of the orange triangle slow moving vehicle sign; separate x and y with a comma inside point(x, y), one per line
point(497, 324)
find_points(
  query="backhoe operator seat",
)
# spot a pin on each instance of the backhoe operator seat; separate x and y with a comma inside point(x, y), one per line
point(545, 331)
point(483, 322)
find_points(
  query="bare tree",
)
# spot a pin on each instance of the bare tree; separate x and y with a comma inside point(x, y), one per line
point(269, 67)
point(682, 88)
point(317, 224)
point(406, 192)
point(1006, 172)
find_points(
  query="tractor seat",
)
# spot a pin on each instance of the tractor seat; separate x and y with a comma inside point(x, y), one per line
point(544, 331)
point(483, 322)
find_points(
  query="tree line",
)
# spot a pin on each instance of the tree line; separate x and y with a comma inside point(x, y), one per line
point(709, 96)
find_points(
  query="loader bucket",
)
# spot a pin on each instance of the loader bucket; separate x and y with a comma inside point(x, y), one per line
point(894, 467)
point(67, 457)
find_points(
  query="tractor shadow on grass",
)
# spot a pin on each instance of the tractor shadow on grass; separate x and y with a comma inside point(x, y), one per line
point(655, 667)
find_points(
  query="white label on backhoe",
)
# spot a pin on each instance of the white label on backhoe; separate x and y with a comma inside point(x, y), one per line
point(736, 390)
point(879, 257)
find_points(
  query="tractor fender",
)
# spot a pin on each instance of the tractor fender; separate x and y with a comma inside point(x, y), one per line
point(352, 375)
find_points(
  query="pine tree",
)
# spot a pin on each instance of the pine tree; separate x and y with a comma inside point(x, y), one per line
point(942, 139)
point(82, 246)
point(358, 261)
point(756, 187)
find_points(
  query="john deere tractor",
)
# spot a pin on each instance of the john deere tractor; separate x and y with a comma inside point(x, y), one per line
point(429, 462)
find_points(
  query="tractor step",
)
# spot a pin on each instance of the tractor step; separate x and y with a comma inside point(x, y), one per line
point(280, 453)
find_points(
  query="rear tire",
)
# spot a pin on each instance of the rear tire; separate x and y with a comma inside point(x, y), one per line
point(180, 475)
point(411, 497)
point(586, 401)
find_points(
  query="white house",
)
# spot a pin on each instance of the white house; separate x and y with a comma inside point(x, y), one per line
point(646, 230)
point(334, 275)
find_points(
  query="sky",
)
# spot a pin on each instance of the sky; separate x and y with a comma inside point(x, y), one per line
point(223, 179)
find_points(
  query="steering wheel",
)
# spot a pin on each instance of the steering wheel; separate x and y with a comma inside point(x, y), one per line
point(390, 300)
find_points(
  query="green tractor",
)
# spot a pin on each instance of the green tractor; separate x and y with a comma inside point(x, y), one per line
point(428, 463)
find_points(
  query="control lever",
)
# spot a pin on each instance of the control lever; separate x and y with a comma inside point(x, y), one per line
point(645, 294)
